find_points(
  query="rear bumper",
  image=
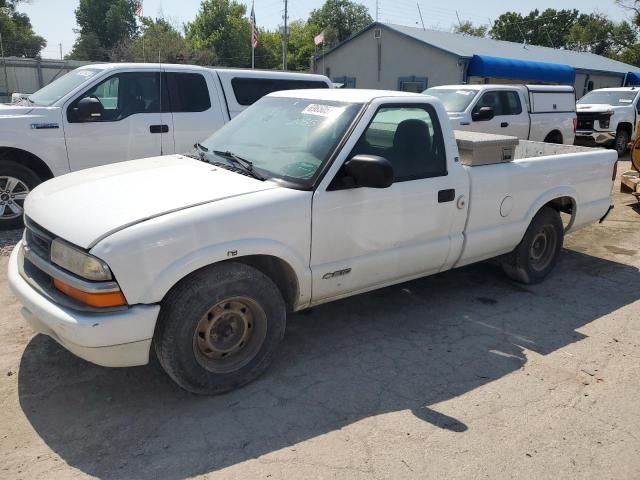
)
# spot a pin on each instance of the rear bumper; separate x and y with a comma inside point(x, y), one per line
point(594, 138)
point(115, 339)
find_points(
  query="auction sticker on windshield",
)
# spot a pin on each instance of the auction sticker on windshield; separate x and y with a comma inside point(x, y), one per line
point(328, 111)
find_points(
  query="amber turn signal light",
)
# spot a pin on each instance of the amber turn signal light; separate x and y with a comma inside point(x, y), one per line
point(97, 300)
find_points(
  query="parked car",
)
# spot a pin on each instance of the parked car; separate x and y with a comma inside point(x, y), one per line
point(98, 114)
point(541, 113)
point(607, 117)
point(305, 198)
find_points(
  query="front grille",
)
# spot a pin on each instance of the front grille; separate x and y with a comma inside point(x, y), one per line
point(38, 239)
point(586, 121)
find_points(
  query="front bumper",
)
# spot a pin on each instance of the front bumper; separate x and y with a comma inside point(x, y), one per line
point(115, 339)
point(594, 138)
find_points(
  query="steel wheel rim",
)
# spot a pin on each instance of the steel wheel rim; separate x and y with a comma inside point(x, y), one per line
point(542, 248)
point(13, 193)
point(229, 335)
point(621, 144)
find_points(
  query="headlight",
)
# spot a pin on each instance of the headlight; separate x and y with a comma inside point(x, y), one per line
point(78, 262)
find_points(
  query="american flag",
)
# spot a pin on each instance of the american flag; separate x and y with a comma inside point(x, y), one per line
point(138, 10)
point(319, 39)
point(254, 29)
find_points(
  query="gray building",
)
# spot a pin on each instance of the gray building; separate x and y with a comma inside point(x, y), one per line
point(395, 57)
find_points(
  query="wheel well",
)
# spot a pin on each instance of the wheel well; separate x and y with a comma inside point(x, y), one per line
point(554, 136)
point(277, 270)
point(27, 159)
point(625, 126)
point(564, 205)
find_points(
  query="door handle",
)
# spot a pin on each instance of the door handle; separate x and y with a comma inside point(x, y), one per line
point(504, 124)
point(159, 128)
point(446, 195)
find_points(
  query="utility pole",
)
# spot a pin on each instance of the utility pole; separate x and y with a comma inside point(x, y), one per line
point(61, 57)
point(4, 64)
point(377, 9)
point(458, 17)
point(285, 37)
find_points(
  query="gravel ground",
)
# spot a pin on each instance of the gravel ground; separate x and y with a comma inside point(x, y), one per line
point(460, 375)
point(8, 238)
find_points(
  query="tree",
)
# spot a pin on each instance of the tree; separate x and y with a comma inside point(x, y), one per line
point(549, 29)
point(340, 19)
point(597, 34)
point(103, 24)
point(18, 37)
point(301, 44)
point(222, 27)
point(469, 28)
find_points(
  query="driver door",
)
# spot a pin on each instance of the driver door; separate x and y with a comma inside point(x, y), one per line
point(129, 126)
point(510, 116)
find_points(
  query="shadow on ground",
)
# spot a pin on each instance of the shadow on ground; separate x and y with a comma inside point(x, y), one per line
point(402, 348)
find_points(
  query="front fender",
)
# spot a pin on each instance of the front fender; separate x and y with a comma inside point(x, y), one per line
point(181, 267)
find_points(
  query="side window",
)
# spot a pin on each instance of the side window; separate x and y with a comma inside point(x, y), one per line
point(510, 103)
point(410, 138)
point(249, 90)
point(412, 84)
point(121, 96)
point(188, 92)
point(502, 102)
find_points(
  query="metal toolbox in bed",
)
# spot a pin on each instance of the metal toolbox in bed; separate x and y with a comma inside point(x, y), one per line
point(485, 148)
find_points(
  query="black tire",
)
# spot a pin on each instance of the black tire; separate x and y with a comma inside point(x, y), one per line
point(182, 347)
point(30, 179)
point(538, 252)
point(621, 142)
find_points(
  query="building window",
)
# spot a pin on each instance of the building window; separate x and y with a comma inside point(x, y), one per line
point(412, 84)
point(347, 82)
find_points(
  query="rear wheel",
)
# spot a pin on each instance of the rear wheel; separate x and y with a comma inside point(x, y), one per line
point(219, 328)
point(537, 254)
point(621, 142)
point(16, 181)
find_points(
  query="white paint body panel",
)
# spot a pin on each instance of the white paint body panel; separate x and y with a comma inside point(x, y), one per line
point(154, 237)
point(622, 115)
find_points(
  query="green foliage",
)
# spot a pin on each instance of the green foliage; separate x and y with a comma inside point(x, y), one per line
point(340, 19)
point(18, 37)
point(222, 27)
point(301, 45)
point(468, 28)
point(550, 28)
point(103, 25)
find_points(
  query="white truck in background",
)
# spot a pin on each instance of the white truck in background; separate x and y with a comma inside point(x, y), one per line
point(98, 114)
point(608, 117)
point(308, 197)
point(540, 113)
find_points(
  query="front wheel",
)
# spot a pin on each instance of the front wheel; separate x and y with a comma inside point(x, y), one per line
point(537, 254)
point(220, 328)
point(16, 181)
point(621, 142)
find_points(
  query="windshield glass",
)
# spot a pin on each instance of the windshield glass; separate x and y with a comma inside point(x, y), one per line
point(59, 88)
point(286, 138)
point(609, 97)
point(454, 100)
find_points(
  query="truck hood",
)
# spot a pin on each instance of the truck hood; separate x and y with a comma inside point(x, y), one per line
point(595, 108)
point(87, 206)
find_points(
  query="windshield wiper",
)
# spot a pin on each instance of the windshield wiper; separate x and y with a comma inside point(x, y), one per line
point(247, 165)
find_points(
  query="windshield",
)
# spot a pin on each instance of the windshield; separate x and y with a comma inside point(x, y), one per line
point(455, 100)
point(286, 138)
point(609, 97)
point(59, 88)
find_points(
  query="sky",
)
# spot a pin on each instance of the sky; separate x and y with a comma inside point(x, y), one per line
point(55, 19)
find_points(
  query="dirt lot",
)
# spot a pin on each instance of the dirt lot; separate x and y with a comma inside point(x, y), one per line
point(461, 375)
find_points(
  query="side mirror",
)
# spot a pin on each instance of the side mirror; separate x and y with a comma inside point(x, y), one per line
point(370, 171)
point(484, 114)
point(89, 109)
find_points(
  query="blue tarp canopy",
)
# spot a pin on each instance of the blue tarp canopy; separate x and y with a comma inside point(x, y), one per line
point(487, 66)
point(633, 78)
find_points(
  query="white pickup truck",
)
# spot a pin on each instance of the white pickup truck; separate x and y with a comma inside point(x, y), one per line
point(541, 113)
point(304, 198)
point(98, 114)
point(608, 117)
